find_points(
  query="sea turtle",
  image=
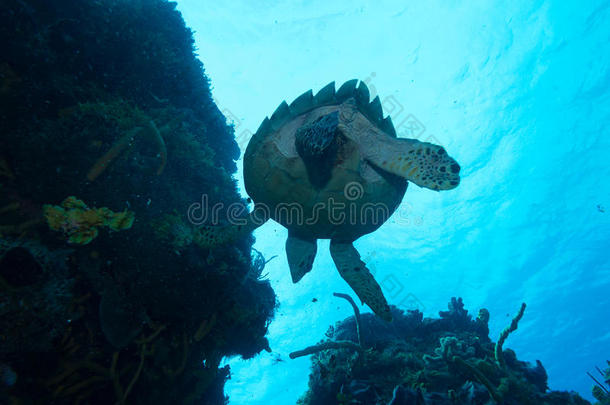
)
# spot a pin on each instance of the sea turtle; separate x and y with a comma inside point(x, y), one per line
point(330, 166)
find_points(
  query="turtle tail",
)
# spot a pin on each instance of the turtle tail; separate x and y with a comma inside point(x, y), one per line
point(209, 236)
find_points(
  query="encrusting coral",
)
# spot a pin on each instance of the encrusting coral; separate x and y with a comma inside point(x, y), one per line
point(80, 223)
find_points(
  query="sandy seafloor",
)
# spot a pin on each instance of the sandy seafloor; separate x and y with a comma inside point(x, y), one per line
point(517, 92)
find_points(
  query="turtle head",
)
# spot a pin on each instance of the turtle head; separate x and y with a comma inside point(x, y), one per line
point(422, 163)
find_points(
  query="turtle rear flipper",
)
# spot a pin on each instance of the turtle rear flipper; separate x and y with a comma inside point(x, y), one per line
point(354, 271)
point(316, 144)
point(301, 253)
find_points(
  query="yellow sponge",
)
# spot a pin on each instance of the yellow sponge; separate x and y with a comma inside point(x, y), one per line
point(80, 223)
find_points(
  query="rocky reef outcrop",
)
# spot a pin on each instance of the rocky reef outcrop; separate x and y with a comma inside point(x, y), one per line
point(112, 152)
point(424, 361)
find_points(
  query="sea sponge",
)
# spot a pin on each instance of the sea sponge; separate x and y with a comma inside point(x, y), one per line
point(80, 223)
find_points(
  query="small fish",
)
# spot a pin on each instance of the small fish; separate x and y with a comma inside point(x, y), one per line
point(277, 358)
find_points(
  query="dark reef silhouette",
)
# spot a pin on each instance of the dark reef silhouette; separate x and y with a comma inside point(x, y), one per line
point(108, 134)
point(424, 361)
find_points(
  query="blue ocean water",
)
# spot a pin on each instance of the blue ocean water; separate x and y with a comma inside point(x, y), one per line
point(516, 91)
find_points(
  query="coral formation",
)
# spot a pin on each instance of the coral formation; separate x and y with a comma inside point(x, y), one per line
point(80, 223)
point(336, 344)
point(507, 331)
point(106, 100)
point(417, 360)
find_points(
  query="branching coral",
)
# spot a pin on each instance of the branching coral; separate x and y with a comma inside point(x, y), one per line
point(80, 223)
point(356, 314)
point(507, 331)
point(329, 344)
point(601, 391)
point(495, 393)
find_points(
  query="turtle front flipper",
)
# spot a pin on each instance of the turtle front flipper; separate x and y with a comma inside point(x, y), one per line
point(316, 144)
point(354, 271)
point(422, 163)
point(301, 253)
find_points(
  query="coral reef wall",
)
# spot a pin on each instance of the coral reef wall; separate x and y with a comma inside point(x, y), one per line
point(108, 139)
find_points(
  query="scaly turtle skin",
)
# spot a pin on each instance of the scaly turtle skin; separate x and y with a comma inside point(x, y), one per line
point(330, 166)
